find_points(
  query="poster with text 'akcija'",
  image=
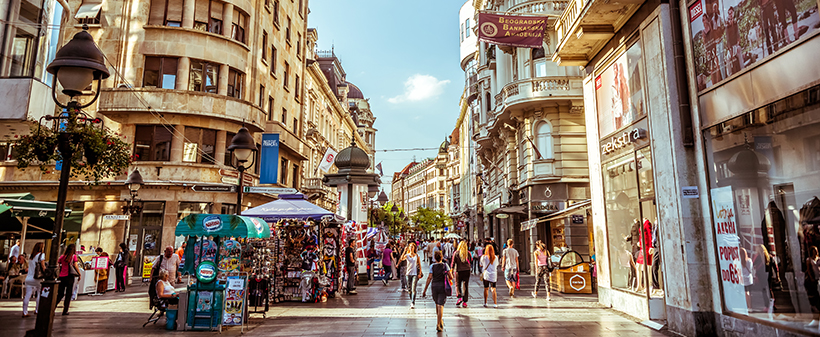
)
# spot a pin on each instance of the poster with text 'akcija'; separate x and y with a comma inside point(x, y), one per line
point(728, 245)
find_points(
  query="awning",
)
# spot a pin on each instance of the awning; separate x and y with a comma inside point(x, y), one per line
point(32, 208)
point(89, 9)
point(568, 211)
point(290, 206)
point(510, 210)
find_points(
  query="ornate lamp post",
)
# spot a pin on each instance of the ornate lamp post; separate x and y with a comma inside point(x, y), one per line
point(243, 147)
point(133, 183)
point(382, 199)
point(76, 65)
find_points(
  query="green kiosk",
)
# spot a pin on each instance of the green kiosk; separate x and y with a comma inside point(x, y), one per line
point(212, 256)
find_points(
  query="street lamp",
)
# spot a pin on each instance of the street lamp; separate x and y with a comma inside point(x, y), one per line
point(242, 146)
point(133, 183)
point(372, 190)
point(382, 198)
point(76, 65)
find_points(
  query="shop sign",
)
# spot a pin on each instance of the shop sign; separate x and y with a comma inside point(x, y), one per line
point(577, 282)
point(690, 192)
point(728, 242)
point(547, 206)
point(577, 219)
point(513, 31)
point(116, 217)
point(625, 139)
point(206, 272)
point(212, 223)
point(234, 301)
point(147, 265)
point(529, 224)
point(546, 192)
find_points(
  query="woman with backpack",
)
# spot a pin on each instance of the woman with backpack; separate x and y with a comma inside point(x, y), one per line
point(542, 258)
point(36, 266)
point(440, 276)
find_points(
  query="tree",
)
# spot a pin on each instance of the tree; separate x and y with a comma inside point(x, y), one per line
point(429, 220)
point(394, 224)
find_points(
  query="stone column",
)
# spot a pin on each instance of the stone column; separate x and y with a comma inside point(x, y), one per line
point(227, 20)
point(183, 72)
point(177, 144)
point(188, 13)
point(219, 152)
point(222, 85)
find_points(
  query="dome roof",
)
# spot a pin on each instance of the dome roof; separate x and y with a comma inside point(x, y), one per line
point(354, 91)
point(443, 147)
point(352, 159)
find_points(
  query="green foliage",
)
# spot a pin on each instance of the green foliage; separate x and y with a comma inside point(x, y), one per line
point(430, 220)
point(392, 221)
point(96, 153)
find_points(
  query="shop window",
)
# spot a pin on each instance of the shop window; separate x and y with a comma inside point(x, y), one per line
point(235, 80)
point(166, 13)
point(766, 212)
point(621, 198)
point(239, 25)
point(160, 72)
point(152, 143)
point(199, 146)
point(208, 16)
point(543, 137)
point(203, 76)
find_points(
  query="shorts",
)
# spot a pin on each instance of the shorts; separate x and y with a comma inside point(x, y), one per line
point(488, 284)
point(511, 275)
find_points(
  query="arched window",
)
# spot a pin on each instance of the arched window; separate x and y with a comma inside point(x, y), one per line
point(543, 139)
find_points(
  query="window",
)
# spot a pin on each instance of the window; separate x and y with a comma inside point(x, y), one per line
point(286, 74)
point(152, 143)
point(90, 20)
point(441, 201)
point(284, 116)
point(283, 179)
point(160, 72)
point(166, 13)
point(295, 125)
point(273, 60)
point(287, 31)
point(228, 160)
point(299, 45)
point(199, 146)
point(203, 76)
point(295, 176)
point(270, 108)
point(239, 25)
point(467, 28)
point(265, 46)
point(188, 208)
point(302, 8)
point(228, 209)
point(296, 87)
point(208, 16)
point(461, 33)
point(235, 80)
point(276, 13)
point(441, 185)
point(543, 136)
point(24, 46)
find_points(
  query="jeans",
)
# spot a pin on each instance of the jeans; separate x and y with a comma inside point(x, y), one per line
point(412, 282)
point(402, 277)
point(120, 284)
point(656, 265)
point(66, 289)
point(351, 278)
point(463, 284)
point(31, 290)
point(388, 273)
point(474, 266)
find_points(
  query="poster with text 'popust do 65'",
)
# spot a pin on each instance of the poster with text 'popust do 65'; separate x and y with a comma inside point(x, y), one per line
point(728, 245)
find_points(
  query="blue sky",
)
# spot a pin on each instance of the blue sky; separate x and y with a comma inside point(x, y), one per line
point(404, 56)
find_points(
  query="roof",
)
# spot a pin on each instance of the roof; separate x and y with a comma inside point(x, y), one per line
point(455, 136)
point(405, 170)
point(354, 91)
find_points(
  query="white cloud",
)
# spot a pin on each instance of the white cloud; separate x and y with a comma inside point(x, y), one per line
point(420, 87)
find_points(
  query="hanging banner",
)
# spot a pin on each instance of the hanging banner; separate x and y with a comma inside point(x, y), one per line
point(328, 160)
point(512, 30)
point(728, 245)
point(270, 159)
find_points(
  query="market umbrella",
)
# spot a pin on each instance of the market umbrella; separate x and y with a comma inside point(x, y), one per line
point(290, 206)
point(224, 225)
point(452, 236)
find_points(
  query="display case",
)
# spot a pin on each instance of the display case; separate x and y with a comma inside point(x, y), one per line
point(571, 274)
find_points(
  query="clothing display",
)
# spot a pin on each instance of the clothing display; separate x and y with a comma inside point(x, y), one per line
point(309, 269)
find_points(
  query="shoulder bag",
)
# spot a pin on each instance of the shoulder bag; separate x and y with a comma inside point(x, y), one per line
point(448, 290)
point(38, 268)
point(72, 269)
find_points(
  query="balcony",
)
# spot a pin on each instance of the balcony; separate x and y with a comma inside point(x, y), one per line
point(196, 44)
point(314, 185)
point(539, 89)
point(472, 88)
point(24, 100)
point(119, 105)
point(540, 7)
point(586, 26)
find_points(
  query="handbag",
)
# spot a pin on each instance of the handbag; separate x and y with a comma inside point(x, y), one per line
point(448, 290)
point(72, 270)
point(38, 269)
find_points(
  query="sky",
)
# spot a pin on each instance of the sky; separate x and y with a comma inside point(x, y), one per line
point(404, 56)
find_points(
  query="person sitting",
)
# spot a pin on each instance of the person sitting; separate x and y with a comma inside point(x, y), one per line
point(166, 290)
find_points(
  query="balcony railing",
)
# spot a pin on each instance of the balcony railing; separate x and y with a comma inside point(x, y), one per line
point(567, 19)
point(314, 184)
point(541, 7)
point(539, 88)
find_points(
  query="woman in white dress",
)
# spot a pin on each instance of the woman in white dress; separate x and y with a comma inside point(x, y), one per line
point(32, 284)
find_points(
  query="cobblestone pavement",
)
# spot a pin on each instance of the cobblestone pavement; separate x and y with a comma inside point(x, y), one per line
point(377, 310)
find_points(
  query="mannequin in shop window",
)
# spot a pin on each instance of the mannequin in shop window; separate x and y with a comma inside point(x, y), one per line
point(655, 251)
point(810, 221)
point(643, 260)
point(634, 238)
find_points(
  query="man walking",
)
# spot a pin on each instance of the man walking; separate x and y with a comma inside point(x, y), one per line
point(509, 259)
point(350, 265)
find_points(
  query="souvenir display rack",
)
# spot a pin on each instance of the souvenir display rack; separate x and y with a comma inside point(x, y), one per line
point(308, 261)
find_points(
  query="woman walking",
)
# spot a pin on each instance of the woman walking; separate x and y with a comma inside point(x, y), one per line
point(489, 270)
point(33, 284)
point(413, 270)
point(461, 264)
point(542, 258)
point(68, 271)
point(438, 276)
point(121, 265)
point(478, 251)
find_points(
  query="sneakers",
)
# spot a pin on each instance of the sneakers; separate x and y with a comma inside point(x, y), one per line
point(412, 305)
point(495, 306)
point(458, 302)
point(485, 305)
point(464, 305)
point(534, 295)
point(384, 281)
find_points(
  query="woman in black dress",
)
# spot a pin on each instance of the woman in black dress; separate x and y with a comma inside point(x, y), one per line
point(438, 275)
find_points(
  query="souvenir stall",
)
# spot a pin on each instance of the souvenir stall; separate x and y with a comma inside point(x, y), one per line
point(306, 249)
point(217, 246)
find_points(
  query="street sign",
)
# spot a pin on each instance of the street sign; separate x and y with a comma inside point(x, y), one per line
point(116, 217)
point(269, 190)
point(231, 189)
point(232, 177)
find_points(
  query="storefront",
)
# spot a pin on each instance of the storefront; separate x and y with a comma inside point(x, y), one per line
point(759, 113)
